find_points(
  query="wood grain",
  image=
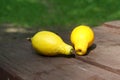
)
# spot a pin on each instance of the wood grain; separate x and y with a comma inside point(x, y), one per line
point(18, 60)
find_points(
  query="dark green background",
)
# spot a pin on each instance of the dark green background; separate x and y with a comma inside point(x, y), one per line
point(58, 13)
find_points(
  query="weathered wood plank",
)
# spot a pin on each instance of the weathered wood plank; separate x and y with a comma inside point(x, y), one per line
point(18, 61)
point(24, 62)
point(113, 24)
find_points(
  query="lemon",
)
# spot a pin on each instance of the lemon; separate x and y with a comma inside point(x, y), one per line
point(50, 44)
point(82, 37)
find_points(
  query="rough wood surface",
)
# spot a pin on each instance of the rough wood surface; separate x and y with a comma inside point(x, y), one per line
point(18, 61)
point(107, 52)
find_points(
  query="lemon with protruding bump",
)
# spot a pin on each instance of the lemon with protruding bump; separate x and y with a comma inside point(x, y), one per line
point(50, 44)
point(82, 37)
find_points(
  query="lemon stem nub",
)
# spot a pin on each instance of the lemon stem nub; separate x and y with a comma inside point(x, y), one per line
point(71, 51)
point(68, 49)
point(79, 52)
point(81, 48)
point(29, 39)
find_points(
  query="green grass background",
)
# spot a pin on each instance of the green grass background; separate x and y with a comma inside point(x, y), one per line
point(58, 13)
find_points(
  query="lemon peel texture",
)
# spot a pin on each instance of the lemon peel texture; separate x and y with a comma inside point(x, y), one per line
point(50, 44)
point(82, 37)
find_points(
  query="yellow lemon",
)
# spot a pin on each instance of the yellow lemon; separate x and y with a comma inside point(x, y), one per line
point(82, 37)
point(50, 44)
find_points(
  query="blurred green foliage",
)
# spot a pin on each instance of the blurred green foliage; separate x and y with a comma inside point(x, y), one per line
point(66, 13)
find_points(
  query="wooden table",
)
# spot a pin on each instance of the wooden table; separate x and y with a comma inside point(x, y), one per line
point(18, 61)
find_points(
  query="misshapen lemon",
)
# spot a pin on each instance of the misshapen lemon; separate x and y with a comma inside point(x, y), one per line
point(50, 44)
point(82, 37)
